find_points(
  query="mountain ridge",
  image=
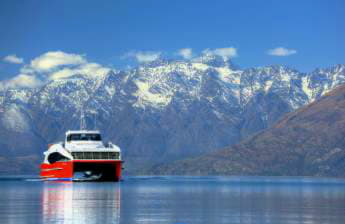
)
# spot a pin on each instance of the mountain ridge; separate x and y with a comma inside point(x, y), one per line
point(306, 142)
point(162, 111)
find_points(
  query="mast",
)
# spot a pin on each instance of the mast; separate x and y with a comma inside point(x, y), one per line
point(82, 120)
point(95, 120)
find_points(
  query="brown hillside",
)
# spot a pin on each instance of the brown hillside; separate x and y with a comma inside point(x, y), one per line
point(308, 142)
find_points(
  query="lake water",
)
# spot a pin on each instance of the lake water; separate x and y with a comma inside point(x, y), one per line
point(174, 200)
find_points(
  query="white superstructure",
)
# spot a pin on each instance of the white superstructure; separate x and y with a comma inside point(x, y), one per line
point(82, 145)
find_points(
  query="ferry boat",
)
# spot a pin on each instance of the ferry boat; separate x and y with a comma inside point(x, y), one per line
point(82, 156)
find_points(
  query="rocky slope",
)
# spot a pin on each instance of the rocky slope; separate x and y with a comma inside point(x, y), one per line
point(308, 142)
point(162, 111)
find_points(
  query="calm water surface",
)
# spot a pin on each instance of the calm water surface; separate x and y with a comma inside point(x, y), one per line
point(174, 200)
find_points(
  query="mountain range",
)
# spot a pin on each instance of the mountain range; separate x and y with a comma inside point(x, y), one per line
point(158, 112)
point(307, 142)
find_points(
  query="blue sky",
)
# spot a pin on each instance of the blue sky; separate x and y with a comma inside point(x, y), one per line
point(310, 33)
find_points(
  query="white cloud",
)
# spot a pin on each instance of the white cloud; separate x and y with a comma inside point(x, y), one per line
point(13, 59)
point(53, 66)
point(186, 53)
point(60, 65)
point(92, 70)
point(26, 69)
point(225, 53)
point(143, 56)
point(53, 59)
point(281, 51)
point(21, 81)
point(61, 74)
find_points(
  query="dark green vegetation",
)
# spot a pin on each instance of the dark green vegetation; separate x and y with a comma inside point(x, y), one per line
point(308, 142)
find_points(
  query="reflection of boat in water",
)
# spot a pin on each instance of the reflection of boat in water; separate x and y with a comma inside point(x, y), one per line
point(82, 156)
point(81, 203)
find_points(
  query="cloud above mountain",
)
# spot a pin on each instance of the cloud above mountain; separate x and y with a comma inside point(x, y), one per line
point(21, 81)
point(13, 59)
point(54, 65)
point(53, 59)
point(92, 70)
point(226, 53)
point(186, 53)
point(281, 52)
point(143, 56)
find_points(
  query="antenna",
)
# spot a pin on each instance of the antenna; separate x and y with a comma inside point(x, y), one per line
point(95, 120)
point(82, 120)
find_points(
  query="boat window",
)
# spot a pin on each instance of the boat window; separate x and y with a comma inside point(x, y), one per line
point(56, 157)
point(84, 137)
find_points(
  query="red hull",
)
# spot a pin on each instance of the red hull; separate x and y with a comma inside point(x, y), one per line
point(65, 170)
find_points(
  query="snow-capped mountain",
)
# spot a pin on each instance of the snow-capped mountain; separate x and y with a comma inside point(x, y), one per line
point(160, 111)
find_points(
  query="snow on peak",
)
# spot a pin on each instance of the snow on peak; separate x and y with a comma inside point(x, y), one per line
point(146, 95)
point(212, 60)
point(228, 75)
point(15, 120)
point(161, 82)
